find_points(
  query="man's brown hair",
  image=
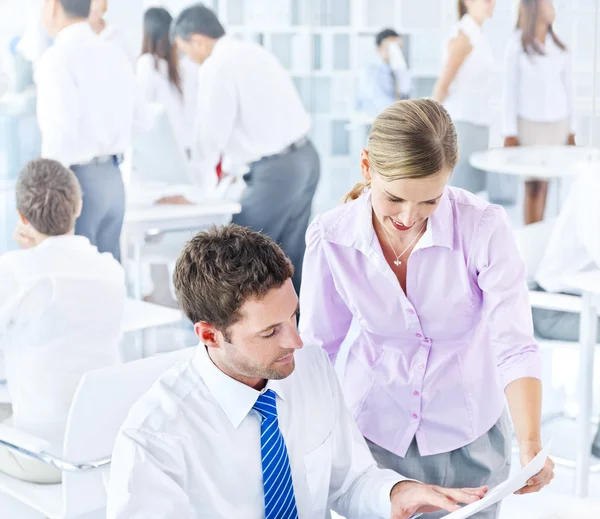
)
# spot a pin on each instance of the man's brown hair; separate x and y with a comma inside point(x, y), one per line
point(220, 269)
point(49, 196)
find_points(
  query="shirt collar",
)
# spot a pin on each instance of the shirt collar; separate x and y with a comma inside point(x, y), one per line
point(73, 32)
point(69, 241)
point(439, 232)
point(236, 399)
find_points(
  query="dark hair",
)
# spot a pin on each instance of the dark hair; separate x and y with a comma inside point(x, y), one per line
point(462, 8)
point(384, 35)
point(77, 8)
point(48, 195)
point(527, 22)
point(220, 269)
point(157, 42)
point(197, 19)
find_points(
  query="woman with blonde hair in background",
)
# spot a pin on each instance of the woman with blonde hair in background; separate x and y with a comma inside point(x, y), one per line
point(432, 278)
point(538, 93)
point(465, 88)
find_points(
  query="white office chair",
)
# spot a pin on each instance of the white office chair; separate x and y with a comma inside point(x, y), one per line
point(101, 404)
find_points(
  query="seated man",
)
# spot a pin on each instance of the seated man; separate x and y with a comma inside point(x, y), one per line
point(386, 80)
point(61, 308)
point(574, 247)
point(254, 426)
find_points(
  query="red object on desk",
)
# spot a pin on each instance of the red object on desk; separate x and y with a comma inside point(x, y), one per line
point(220, 170)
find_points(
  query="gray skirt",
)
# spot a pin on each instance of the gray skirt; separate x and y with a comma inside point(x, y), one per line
point(486, 461)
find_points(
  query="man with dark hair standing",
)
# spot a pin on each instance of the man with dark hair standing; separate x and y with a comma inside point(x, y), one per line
point(387, 79)
point(61, 307)
point(255, 425)
point(250, 113)
point(85, 113)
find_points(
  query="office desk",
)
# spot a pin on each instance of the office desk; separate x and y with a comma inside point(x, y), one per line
point(588, 283)
point(543, 162)
point(147, 219)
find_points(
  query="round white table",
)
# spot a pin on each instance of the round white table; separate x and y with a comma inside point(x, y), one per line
point(544, 162)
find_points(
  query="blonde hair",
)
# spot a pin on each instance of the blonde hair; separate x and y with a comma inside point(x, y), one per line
point(410, 139)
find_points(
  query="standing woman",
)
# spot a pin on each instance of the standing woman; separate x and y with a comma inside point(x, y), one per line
point(432, 276)
point(465, 87)
point(538, 93)
point(161, 79)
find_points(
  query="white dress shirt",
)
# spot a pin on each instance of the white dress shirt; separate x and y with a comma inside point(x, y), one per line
point(574, 244)
point(61, 308)
point(537, 88)
point(190, 448)
point(154, 86)
point(85, 97)
point(248, 108)
point(470, 91)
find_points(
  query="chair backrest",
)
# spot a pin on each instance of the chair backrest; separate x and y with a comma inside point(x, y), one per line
point(532, 241)
point(101, 404)
point(157, 156)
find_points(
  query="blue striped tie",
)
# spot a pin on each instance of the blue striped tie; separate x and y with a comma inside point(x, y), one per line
point(280, 502)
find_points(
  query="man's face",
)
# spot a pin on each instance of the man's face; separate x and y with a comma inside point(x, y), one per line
point(198, 48)
point(262, 344)
point(384, 48)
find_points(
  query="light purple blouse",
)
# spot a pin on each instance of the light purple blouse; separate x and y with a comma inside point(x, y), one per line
point(433, 363)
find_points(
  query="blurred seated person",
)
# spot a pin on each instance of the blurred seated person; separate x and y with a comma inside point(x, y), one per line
point(574, 247)
point(61, 309)
point(387, 79)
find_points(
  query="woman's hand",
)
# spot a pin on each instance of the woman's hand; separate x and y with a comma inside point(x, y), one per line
point(509, 142)
point(528, 451)
point(571, 140)
point(410, 497)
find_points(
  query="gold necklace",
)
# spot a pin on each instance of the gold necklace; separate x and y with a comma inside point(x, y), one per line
point(398, 256)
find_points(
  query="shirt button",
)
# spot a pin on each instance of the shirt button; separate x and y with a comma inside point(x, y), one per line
point(416, 393)
point(418, 335)
point(422, 367)
point(415, 416)
point(428, 340)
point(411, 312)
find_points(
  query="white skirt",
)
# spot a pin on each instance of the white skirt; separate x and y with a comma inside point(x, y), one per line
point(531, 133)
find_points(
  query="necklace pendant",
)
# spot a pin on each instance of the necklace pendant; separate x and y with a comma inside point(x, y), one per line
point(397, 263)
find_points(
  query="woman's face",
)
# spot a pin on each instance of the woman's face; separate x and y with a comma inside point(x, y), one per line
point(401, 205)
point(481, 9)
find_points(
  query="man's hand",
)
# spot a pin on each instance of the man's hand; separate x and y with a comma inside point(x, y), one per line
point(509, 142)
point(529, 450)
point(174, 200)
point(409, 498)
point(23, 237)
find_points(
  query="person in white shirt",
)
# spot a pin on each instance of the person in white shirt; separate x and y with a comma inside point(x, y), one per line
point(574, 247)
point(85, 113)
point(106, 31)
point(386, 80)
point(465, 88)
point(162, 78)
point(255, 425)
point(250, 112)
point(61, 308)
point(538, 93)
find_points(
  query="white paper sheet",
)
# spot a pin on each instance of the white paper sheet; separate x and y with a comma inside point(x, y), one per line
point(510, 486)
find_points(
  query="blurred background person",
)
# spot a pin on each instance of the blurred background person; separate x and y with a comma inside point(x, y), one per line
point(387, 79)
point(85, 112)
point(539, 105)
point(465, 88)
point(161, 77)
